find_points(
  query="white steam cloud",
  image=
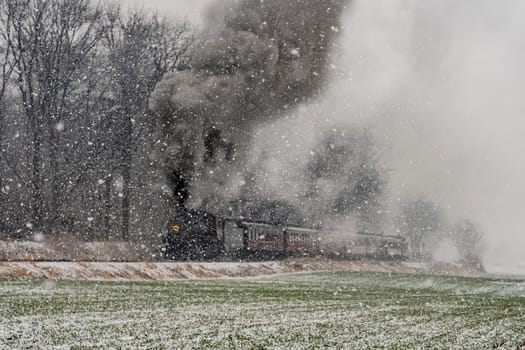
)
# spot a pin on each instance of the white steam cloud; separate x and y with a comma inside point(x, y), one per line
point(440, 83)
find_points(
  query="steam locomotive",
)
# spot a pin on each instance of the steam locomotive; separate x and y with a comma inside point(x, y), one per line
point(199, 235)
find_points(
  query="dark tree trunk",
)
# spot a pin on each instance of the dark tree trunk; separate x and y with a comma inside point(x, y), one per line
point(54, 221)
point(37, 202)
point(127, 159)
point(126, 178)
point(3, 197)
point(107, 206)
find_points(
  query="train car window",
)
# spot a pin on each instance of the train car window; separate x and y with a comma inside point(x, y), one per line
point(253, 233)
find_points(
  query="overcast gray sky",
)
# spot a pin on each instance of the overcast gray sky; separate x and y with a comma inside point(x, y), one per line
point(193, 9)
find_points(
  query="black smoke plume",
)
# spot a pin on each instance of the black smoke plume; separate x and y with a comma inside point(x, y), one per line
point(257, 61)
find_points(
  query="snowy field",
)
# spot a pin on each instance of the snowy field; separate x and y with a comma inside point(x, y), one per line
point(343, 310)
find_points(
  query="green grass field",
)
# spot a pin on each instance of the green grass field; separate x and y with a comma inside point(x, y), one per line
point(302, 311)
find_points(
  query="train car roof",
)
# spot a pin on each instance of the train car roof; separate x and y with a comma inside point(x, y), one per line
point(296, 228)
point(256, 222)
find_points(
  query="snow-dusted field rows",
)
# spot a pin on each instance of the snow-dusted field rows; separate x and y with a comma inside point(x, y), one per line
point(301, 311)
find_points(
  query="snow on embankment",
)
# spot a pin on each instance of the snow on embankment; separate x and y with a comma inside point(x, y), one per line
point(66, 250)
point(195, 270)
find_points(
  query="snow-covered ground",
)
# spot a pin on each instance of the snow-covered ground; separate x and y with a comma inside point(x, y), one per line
point(198, 270)
point(66, 249)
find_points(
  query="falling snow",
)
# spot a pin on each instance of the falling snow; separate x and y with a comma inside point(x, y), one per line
point(343, 118)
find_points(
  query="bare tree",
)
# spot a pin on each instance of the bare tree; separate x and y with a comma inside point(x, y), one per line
point(6, 56)
point(417, 219)
point(6, 70)
point(142, 49)
point(49, 41)
point(469, 241)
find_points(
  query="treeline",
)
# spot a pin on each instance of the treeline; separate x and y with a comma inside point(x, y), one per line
point(75, 128)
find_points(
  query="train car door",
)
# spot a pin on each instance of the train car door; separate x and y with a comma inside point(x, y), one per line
point(233, 237)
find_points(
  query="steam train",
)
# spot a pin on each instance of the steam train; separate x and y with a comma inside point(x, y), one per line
point(199, 235)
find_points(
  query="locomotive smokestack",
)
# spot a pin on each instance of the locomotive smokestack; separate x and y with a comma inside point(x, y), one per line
point(256, 62)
